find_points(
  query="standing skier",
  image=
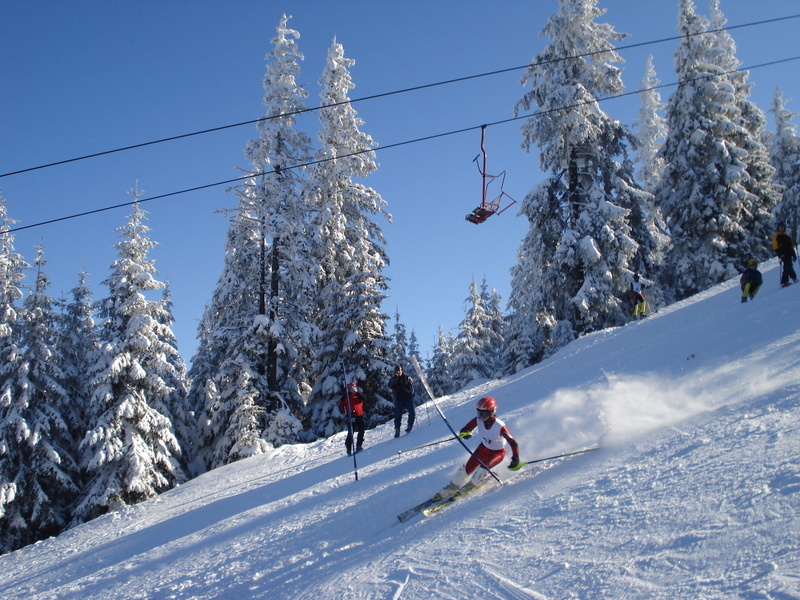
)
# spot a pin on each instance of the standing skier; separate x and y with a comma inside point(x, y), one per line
point(637, 297)
point(352, 406)
point(494, 435)
point(403, 391)
point(783, 245)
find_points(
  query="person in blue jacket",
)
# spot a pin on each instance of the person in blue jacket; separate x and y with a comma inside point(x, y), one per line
point(403, 392)
point(751, 280)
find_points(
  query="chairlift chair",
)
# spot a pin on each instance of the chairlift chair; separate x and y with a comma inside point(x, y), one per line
point(488, 208)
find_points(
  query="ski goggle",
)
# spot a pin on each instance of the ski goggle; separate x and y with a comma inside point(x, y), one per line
point(485, 413)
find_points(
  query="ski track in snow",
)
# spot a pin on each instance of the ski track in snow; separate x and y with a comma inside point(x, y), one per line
point(695, 493)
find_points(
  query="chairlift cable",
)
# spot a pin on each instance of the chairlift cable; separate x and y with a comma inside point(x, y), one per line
point(390, 93)
point(394, 145)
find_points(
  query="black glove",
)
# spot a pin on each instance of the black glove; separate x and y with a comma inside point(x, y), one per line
point(514, 463)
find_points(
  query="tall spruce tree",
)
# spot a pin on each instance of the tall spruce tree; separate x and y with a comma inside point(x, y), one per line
point(131, 453)
point(526, 327)
point(472, 355)
point(277, 342)
point(785, 157)
point(79, 344)
point(646, 218)
point(438, 371)
point(704, 191)
point(400, 349)
point(350, 284)
point(574, 263)
point(13, 368)
point(651, 130)
point(240, 435)
point(176, 402)
point(233, 305)
point(495, 350)
point(255, 336)
point(413, 347)
point(37, 440)
point(762, 192)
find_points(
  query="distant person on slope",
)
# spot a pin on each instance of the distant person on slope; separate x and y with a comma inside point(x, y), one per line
point(494, 435)
point(751, 280)
point(637, 297)
point(783, 245)
point(352, 406)
point(403, 391)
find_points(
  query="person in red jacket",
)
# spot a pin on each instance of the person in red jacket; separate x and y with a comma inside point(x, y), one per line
point(352, 406)
point(492, 450)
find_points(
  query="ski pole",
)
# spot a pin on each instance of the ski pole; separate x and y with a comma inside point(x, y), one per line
point(425, 445)
point(538, 460)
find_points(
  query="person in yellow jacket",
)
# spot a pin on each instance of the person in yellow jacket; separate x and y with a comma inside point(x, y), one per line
point(784, 248)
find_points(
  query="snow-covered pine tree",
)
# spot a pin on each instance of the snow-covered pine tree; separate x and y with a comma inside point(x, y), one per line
point(413, 347)
point(527, 324)
point(474, 342)
point(646, 219)
point(36, 439)
point(703, 192)
point(277, 341)
point(494, 354)
point(79, 344)
point(785, 156)
point(130, 453)
point(763, 194)
point(233, 304)
point(651, 130)
point(176, 402)
point(438, 369)
point(351, 258)
point(399, 353)
point(240, 435)
point(574, 262)
point(254, 336)
point(12, 367)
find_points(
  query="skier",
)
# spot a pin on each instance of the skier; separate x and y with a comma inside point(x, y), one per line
point(637, 297)
point(403, 391)
point(494, 434)
point(750, 281)
point(783, 245)
point(352, 406)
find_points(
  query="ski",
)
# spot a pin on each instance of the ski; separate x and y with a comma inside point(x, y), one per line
point(436, 507)
point(411, 512)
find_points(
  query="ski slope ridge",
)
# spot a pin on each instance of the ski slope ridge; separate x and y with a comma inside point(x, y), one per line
point(695, 493)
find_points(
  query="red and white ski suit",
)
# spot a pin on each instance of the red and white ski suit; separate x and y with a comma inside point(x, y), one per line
point(494, 434)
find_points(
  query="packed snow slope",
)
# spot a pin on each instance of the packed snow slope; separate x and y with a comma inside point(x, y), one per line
point(695, 493)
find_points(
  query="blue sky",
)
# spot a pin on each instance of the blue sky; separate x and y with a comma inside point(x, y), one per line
point(89, 76)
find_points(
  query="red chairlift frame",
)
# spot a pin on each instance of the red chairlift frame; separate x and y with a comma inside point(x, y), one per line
point(488, 208)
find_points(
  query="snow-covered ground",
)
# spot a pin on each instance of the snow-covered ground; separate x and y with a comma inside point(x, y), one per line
point(695, 493)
